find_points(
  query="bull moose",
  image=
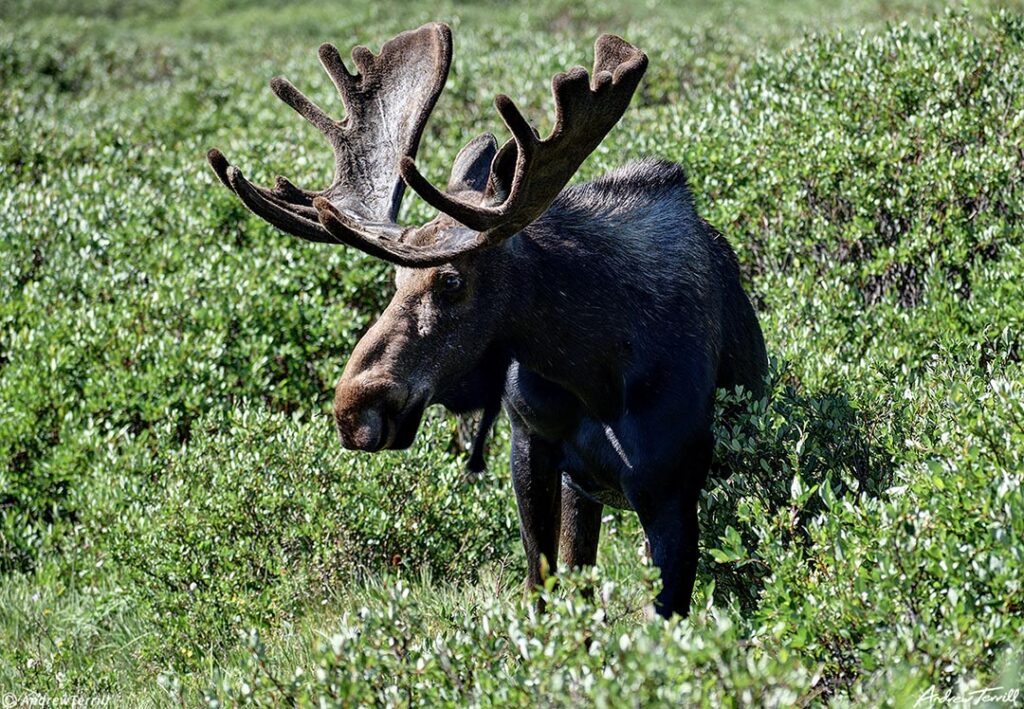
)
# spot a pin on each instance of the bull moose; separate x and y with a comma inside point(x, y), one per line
point(602, 316)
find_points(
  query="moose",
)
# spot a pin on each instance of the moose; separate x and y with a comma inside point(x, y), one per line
point(601, 316)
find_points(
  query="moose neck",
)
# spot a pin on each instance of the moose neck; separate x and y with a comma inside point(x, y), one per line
point(570, 323)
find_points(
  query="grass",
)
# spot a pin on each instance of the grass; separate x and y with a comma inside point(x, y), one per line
point(179, 525)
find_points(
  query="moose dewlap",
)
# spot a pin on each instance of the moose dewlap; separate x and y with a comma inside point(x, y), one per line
point(603, 316)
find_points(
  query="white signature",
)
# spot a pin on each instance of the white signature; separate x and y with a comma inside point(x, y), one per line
point(990, 695)
point(35, 699)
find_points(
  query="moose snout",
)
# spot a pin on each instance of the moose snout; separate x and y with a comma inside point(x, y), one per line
point(365, 411)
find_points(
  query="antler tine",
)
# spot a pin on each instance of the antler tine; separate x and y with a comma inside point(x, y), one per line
point(284, 194)
point(331, 61)
point(478, 217)
point(379, 240)
point(334, 227)
point(287, 92)
point(585, 113)
point(392, 250)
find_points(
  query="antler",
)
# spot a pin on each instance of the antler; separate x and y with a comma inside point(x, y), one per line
point(584, 115)
point(387, 104)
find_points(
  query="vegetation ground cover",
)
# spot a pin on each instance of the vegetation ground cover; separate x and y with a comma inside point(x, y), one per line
point(179, 525)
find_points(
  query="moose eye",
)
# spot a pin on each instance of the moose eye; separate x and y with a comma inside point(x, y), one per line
point(451, 282)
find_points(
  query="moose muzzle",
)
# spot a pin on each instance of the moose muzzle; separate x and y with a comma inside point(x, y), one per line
point(373, 413)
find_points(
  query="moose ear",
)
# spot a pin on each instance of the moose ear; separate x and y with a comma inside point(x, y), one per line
point(473, 165)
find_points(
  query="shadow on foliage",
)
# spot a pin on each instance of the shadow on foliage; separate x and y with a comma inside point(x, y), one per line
point(772, 456)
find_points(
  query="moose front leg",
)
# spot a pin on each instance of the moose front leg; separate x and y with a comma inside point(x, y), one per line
point(538, 486)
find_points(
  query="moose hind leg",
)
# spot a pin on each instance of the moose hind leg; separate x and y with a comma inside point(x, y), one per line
point(668, 514)
point(672, 532)
point(581, 528)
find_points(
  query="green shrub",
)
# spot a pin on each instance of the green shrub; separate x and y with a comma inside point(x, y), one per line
point(251, 526)
point(924, 577)
point(772, 457)
point(397, 650)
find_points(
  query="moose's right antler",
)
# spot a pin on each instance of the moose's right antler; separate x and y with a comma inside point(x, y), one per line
point(387, 104)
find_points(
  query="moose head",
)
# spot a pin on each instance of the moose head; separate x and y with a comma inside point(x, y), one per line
point(437, 341)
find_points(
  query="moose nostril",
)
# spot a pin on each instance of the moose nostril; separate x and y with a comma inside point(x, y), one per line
point(365, 431)
point(363, 411)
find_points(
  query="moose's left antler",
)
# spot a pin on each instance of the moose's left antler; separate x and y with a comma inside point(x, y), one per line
point(584, 115)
